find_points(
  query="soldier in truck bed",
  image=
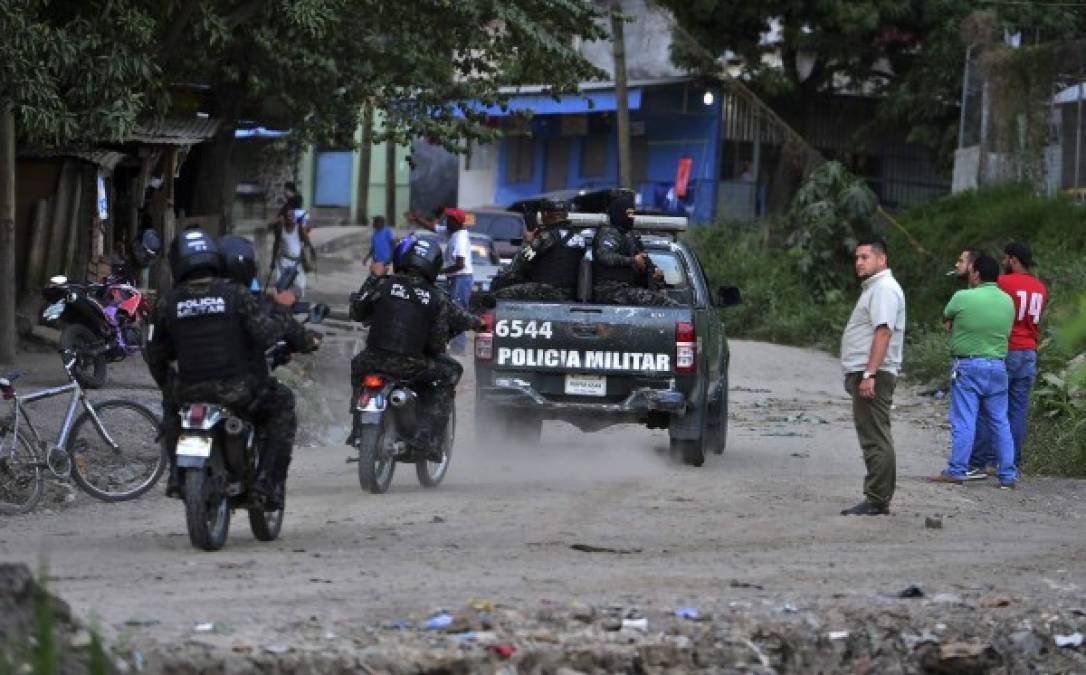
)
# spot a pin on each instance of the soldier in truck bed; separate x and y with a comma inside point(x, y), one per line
point(621, 270)
point(545, 268)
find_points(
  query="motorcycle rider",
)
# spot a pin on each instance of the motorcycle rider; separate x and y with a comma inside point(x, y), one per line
point(411, 322)
point(621, 270)
point(546, 267)
point(274, 402)
point(213, 329)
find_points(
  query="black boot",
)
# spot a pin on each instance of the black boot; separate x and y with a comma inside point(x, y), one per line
point(173, 484)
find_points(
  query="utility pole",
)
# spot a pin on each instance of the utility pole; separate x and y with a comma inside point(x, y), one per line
point(7, 235)
point(365, 156)
point(390, 183)
point(622, 107)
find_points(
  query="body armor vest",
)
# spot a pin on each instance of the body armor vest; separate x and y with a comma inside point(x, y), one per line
point(601, 272)
point(207, 333)
point(402, 317)
point(557, 264)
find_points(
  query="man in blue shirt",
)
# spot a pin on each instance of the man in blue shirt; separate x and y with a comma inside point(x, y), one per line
point(381, 247)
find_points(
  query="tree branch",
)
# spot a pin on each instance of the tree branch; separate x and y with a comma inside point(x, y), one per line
point(178, 27)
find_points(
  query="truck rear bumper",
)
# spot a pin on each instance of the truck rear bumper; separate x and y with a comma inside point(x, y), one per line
point(520, 394)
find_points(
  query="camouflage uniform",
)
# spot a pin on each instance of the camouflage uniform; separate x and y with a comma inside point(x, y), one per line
point(256, 394)
point(613, 249)
point(435, 373)
point(516, 282)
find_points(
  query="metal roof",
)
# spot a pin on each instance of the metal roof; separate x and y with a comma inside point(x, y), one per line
point(175, 131)
point(106, 159)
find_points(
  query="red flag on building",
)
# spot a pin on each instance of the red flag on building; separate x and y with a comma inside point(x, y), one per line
point(682, 178)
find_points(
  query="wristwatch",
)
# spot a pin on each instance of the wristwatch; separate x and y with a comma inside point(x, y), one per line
point(867, 375)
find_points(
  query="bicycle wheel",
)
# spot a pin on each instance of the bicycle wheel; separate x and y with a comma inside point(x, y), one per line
point(121, 473)
point(20, 474)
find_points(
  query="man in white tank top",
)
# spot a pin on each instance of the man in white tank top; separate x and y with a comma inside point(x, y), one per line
point(289, 248)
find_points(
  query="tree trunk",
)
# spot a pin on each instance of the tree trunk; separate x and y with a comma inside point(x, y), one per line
point(169, 219)
point(7, 235)
point(365, 156)
point(618, 46)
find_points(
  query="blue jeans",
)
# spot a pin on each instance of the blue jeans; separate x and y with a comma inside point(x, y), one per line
point(1021, 372)
point(979, 393)
point(460, 290)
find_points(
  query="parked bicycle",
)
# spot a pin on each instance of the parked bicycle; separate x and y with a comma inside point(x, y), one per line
point(112, 450)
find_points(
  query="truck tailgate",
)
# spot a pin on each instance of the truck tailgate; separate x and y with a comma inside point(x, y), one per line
point(583, 350)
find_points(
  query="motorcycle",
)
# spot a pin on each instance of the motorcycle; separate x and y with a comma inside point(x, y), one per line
point(386, 416)
point(386, 419)
point(101, 323)
point(218, 457)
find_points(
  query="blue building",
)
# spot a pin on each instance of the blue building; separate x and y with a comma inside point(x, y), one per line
point(675, 125)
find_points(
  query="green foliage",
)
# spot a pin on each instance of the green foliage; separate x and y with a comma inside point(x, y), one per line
point(910, 53)
point(76, 70)
point(830, 212)
point(777, 304)
point(45, 653)
point(312, 65)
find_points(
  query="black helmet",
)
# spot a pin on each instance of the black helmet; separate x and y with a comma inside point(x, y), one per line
point(238, 258)
point(422, 255)
point(550, 204)
point(618, 212)
point(147, 248)
point(192, 251)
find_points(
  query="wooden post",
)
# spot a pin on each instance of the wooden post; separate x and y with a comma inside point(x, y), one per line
point(365, 157)
point(390, 183)
point(35, 273)
point(622, 106)
point(72, 230)
point(7, 235)
point(169, 218)
point(54, 258)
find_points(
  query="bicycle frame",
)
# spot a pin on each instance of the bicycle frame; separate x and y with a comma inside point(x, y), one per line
point(78, 399)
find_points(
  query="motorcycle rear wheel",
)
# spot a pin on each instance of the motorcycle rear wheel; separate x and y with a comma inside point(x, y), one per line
point(431, 474)
point(207, 511)
point(90, 371)
point(374, 473)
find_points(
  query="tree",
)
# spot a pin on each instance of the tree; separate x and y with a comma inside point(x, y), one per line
point(70, 71)
point(910, 54)
point(314, 65)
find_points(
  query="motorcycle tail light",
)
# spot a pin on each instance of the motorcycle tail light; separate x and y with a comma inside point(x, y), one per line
point(373, 382)
point(484, 341)
point(196, 414)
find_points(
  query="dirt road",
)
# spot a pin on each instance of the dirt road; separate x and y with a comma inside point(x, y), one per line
point(757, 525)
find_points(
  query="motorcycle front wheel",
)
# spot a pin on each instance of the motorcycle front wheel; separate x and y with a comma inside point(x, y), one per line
point(90, 369)
point(374, 471)
point(207, 511)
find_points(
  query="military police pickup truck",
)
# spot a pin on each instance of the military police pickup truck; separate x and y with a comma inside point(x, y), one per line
point(595, 365)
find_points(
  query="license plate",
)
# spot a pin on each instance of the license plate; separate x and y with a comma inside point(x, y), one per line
point(586, 385)
point(194, 446)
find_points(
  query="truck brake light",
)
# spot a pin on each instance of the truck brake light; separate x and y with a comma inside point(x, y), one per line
point(686, 347)
point(484, 340)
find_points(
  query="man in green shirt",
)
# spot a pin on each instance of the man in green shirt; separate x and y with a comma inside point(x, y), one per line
point(980, 320)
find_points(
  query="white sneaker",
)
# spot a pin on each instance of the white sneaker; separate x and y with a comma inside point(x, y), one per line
point(975, 474)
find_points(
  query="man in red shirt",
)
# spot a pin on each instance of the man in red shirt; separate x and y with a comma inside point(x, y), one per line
point(1030, 299)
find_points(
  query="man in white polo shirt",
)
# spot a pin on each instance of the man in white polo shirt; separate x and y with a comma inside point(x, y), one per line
point(871, 350)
